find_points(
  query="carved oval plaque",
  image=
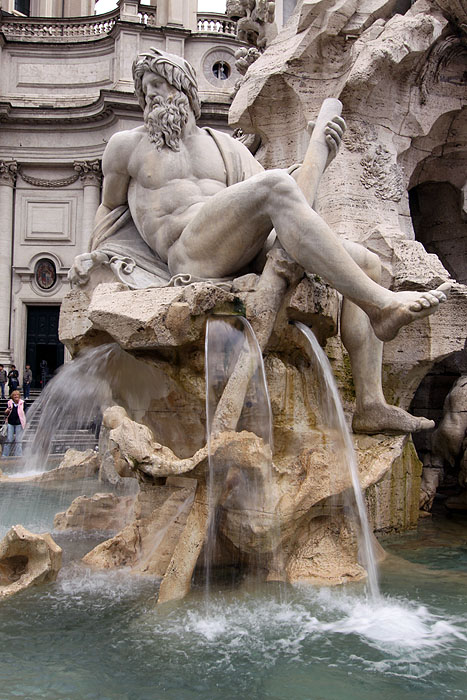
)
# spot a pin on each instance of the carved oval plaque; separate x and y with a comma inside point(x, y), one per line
point(45, 273)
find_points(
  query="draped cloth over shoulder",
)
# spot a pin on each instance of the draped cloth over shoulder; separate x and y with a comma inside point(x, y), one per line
point(130, 258)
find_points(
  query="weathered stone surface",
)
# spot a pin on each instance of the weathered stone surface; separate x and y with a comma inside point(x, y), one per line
point(161, 317)
point(75, 327)
point(429, 484)
point(325, 554)
point(172, 317)
point(147, 543)
point(406, 263)
point(102, 511)
point(408, 358)
point(393, 502)
point(27, 559)
point(286, 495)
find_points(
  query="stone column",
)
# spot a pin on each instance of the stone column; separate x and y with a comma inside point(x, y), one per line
point(8, 171)
point(90, 174)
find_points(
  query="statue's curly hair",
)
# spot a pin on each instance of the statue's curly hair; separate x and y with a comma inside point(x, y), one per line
point(174, 69)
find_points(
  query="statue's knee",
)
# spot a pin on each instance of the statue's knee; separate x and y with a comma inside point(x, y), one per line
point(280, 183)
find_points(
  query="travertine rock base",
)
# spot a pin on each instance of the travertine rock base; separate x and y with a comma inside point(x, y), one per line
point(159, 439)
point(27, 560)
point(146, 544)
point(103, 511)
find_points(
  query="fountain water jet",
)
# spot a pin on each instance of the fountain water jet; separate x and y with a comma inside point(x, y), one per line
point(334, 417)
point(237, 398)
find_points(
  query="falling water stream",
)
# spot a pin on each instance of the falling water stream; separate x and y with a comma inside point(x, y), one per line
point(234, 362)
point(335, 419)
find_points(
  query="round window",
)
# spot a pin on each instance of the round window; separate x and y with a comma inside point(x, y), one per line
point(45, 273)
point(221, 70)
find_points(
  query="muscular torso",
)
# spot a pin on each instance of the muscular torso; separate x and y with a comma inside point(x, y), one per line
point(167, 188)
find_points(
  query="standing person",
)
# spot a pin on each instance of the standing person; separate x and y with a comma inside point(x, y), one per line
point(16, 421)
point(27, 381)
point(13, 379)
point(3, 380)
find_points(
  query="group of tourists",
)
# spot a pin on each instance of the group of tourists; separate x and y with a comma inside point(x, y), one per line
point(12, 379)
point(15, 418)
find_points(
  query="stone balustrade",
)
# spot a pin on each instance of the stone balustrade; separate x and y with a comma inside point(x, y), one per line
point(213, 22)
point(57, 30)
point(147, 16)
point(39, 29)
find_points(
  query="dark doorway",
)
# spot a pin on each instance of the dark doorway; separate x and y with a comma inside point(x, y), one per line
point(439, 223)
point(42, 342)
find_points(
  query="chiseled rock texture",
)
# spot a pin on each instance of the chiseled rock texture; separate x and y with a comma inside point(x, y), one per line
point(147, 543)
point(27, 559)
point(399, 73)
point(159, 438)
point(102, 511)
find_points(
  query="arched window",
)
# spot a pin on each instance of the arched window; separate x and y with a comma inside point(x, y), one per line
point(221, 70)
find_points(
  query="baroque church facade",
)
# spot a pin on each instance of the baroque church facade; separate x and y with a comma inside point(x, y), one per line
point(65, 87)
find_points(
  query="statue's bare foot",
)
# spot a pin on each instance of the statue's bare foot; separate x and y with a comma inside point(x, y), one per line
point(383, 418)
point(404, 308)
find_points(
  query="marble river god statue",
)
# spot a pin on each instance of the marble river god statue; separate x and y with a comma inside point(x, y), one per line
point(191, 223)
point(182, 203)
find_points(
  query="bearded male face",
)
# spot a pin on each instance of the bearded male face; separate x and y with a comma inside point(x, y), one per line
point(165, 118)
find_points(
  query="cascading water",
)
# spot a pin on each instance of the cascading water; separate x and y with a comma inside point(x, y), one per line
point(71, 402)
point(334, 419)
point(237, 399)
point(79, 392)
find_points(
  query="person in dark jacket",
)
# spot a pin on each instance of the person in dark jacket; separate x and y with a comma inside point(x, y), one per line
point(27, 381)
point(13, 379)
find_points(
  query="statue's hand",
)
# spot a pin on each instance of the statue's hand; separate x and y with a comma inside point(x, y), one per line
point(333, 133)
point(84, 264)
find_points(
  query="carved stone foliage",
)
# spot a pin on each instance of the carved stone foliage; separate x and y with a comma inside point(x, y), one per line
point(89, 171)
point(359, 136)
point(8, 171)
point(382, 174)
point(45, 182)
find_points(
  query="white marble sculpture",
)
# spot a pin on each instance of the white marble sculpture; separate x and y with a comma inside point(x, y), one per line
point(182, 204)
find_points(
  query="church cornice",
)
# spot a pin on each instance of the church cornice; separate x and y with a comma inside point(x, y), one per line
point(109, 104)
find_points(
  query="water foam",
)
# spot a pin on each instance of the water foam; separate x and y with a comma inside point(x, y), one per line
point(393, 627)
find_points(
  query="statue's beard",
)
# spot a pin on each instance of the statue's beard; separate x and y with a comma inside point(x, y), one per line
point(165, 119)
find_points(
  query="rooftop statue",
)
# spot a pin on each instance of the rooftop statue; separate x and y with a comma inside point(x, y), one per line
point(182, 203)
